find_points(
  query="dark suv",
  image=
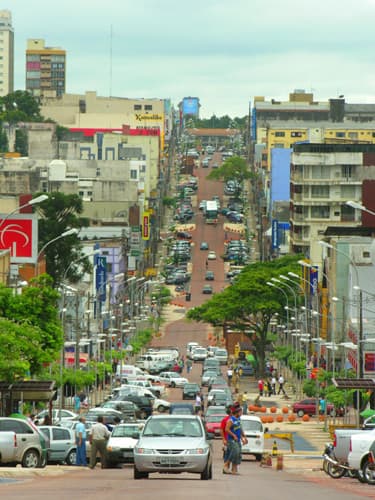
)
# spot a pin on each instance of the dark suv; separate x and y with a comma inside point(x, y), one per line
point(143, 403)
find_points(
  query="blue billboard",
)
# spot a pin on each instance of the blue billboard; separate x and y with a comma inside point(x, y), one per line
point(190, 106)
point(101, 278)
point(275, 233)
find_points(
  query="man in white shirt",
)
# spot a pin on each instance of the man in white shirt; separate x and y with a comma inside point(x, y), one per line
point(281, 385)
point(98, 439)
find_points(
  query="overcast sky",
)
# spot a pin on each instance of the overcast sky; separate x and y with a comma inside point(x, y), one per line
point(223, 51)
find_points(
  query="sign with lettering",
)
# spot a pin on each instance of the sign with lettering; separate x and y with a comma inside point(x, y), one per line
point(19, 234)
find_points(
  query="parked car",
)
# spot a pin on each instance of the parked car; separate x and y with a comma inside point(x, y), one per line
point(246, 367)
point(63, 448)
point(308, 406)
point(144, 403)
point(190, 391)
point(30, 447)
point(173, 444)
point(57, 416)
point(108, 414)
point(128, 409)
point(207, 290)
point(120, 446)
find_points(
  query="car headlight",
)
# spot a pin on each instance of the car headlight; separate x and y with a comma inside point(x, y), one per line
point(197, 451)
point(144, 451)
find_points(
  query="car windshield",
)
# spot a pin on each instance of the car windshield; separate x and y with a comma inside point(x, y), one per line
point(172, 427)
point(212, 419)
point(125, 431)
point(251, 425)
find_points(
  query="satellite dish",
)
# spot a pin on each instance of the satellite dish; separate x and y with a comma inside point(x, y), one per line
point(129, 348)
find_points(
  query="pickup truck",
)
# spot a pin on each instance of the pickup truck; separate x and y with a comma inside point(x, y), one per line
point(8, 447)
point(361, 456)
point(341, 439)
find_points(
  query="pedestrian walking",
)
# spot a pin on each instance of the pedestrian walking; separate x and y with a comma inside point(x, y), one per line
point(269, 388)
point(81, 435)
point(230, 375)
point(245, 403)
point(281, 385)
point(189, 365)
point(77, 403)
point(198, 403)
point(260, 386)
point(235, 437)
point(273, 385)
point(224, 437)
point(206, 263)
point(202, 403)
point(98, 439)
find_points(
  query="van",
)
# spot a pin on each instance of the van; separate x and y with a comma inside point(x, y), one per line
point(147, 361)
point(128, 372)
point(254, 431)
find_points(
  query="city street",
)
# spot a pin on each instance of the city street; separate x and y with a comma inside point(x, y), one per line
point(62, 482)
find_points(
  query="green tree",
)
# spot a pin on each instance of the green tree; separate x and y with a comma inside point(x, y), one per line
point(20, 106)
point(233, 168)
point(58, 214)
point(249, 304)
point(4, 144)
point(30, 330)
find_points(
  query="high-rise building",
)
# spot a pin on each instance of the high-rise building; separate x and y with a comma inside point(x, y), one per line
point(6, 53)
point(45, 69)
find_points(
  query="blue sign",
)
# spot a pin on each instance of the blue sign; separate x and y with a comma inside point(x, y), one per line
point(313, 280)
point(101, 278)
point(253, 128)
point(190, 106)
point(275, 233)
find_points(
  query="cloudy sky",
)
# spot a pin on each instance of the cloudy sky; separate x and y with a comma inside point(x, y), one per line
point(224, 52)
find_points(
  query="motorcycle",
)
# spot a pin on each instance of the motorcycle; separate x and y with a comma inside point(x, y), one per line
point(335, 469)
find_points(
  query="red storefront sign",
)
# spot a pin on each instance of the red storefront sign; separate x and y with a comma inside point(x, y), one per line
point(19, 235)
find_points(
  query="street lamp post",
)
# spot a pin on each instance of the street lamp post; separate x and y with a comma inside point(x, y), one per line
point(286, 298)
point(69, 232)
point(33, 201)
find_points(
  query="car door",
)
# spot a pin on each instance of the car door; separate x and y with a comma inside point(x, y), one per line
point(61, 443)
point(26, 437)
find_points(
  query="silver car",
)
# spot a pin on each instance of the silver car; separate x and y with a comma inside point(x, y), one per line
point(173, 444)
point(63, 446)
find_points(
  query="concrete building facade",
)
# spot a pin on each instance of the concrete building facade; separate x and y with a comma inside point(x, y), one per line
point(45, 69)
point(6, 53)
point(323, 178)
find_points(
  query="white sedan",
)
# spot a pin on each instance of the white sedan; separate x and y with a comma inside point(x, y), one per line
point(173, 379)
point(211, 255)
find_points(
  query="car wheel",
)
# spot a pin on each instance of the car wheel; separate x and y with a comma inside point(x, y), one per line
point(140, 475)
point(173, 384)
point(300, 413)
point(361, 478)
point(207, 473)
point(71, 459)
point(368, 471)
point(161, 408)
point(30, 459)
point(258, 457)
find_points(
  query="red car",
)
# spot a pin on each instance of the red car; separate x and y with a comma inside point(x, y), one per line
point(212, 423)
point(308, 407)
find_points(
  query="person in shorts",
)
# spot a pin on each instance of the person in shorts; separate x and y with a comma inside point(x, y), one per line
point(235, 437)
point(224, 437)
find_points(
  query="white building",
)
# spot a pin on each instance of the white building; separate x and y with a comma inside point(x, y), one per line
point(6, 53)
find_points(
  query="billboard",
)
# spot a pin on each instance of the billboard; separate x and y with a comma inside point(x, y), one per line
point(19, 234)
point(190, 106)
point(313, 280)
point(275, 233)
point(101, 278)
point(369, 362)
point(146, 225)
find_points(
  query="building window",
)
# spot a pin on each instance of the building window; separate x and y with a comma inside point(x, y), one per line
point(320, 172)
point(296, 134)
point(278, 145)
point(137, 107)
point(148, 107)
point(81, 193)
point(347, 171)
point(340, 134)
point(353, 135)
point(319, 191)
point(347, 192)
point(320, 212)
point(279, 134)
point(134, 174)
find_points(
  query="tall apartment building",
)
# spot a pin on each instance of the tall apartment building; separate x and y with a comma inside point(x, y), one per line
point(6, 53)
point(45, 69)
point(323, 178)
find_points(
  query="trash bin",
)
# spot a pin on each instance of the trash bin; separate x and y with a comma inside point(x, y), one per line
point(188, 297)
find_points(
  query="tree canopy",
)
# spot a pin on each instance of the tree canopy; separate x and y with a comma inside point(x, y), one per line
point(30, 329)
point(58, 214)
point(19, 106)
point(234, 168)
point(217, 122)
point(249, 304)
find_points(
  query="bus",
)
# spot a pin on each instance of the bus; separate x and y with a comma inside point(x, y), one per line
point(211, 212)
